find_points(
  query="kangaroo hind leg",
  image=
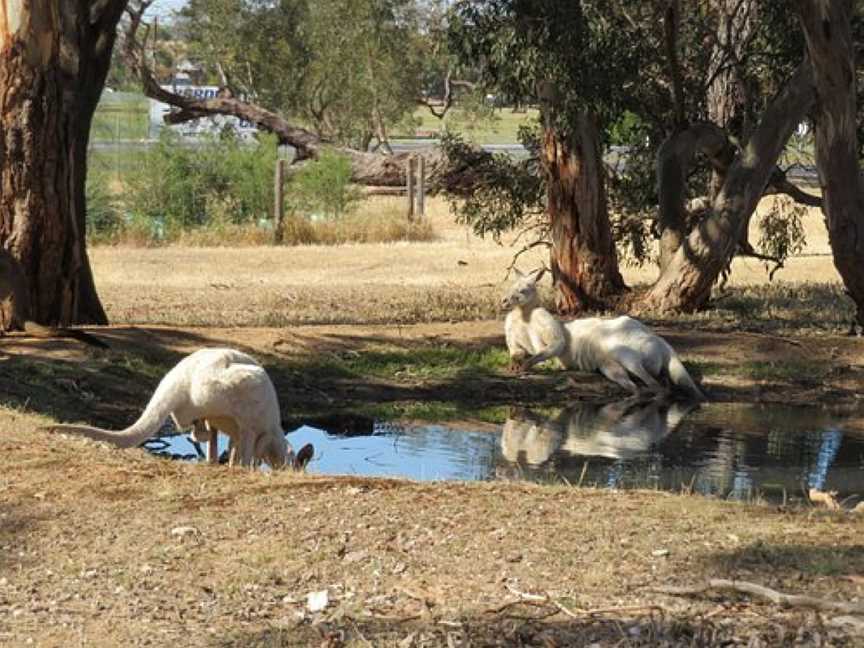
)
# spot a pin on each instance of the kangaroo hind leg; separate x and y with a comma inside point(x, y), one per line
point(632, 362)
point(618, 374)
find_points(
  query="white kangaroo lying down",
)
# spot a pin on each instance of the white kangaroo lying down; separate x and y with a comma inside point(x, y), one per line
point(619, 348)
point(213, 389)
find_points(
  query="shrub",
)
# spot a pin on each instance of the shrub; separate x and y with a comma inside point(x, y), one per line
point(220, 194)
point(187, 187)
point(323, 186)
point(104, 215)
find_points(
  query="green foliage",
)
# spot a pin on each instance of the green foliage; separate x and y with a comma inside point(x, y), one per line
point(262, 47)
point(782, 233)
point(504, 194)
point(348, 68)
point(548, 52)
point(324, 185)
point(179, 187)
point(104, 216)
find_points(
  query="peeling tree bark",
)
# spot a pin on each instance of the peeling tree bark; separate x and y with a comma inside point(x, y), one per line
point(584, 259)
point(685, 284)
point(674, 161)
point(53, 61)
point(831, 49)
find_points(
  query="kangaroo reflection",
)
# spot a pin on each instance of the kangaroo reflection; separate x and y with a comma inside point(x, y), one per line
point(620, 430)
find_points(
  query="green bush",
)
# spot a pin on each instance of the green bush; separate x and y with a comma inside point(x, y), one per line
point(221, 193)
point(323, 187)
point(185, 187)
point(104, 215)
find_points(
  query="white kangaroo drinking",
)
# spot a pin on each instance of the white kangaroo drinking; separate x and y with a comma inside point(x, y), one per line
point(213, 390)
point(620, 348)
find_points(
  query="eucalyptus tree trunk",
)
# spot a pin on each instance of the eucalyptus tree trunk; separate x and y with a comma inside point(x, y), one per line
point(674, 161)
point(685, 282)
point(584, 260)
point(54, 57)
point(727, 93)
point(831, 49)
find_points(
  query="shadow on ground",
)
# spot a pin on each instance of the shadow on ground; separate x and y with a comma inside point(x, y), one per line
point(526, 626)
point(451, 371)
point(67, 381)
point(763, 560)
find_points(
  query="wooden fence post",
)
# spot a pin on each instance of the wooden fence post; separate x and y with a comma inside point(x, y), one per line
point(421, 187)
point(409, 185)
point(279, 202)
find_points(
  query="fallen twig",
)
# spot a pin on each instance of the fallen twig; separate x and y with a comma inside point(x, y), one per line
point(546, 601)
point(778, 598)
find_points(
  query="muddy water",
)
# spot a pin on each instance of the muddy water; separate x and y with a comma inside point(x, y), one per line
point(744, 452)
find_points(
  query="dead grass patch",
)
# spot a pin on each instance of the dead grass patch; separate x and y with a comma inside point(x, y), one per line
point(447, 275)
point(206, 556)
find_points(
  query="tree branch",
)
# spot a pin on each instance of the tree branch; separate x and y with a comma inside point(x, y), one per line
point(366, 168)
point(447, 100)
point(780, 184)
point(670, 23)
point(304, 142)
point(779, 598)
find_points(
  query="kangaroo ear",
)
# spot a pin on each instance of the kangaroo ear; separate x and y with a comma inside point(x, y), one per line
point(304, 456)
point(539, 275)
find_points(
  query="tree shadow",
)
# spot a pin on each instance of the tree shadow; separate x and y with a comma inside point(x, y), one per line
point(62, 379)
point(772, 308)
point(357, 369)
point(788, 561)
point(13, 523)
point(522, 627)
point(319, 374)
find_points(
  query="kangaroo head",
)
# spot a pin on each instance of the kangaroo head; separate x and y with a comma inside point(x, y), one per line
point(523, 291)
point(278, 454)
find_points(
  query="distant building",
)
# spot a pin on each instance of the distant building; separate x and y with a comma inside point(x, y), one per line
point(198, 127)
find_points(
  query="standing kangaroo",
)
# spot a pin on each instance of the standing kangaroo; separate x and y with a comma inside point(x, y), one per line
point(213, 389)
point(620, 348)
point(15, 304)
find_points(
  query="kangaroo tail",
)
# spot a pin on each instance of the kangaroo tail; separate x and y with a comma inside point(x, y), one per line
point(120, 439)
point(680, 378)
point(39, 331)
point(163, 402)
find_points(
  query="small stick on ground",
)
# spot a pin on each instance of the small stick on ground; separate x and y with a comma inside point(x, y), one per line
point(546, 600)
point(778, 598)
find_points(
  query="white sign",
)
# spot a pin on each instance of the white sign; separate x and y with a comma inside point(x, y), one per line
point(201, 126)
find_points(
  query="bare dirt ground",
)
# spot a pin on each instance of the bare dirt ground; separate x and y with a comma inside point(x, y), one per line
point(102, 547)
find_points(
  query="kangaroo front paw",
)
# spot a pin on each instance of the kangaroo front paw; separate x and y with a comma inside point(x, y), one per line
point(517, 364)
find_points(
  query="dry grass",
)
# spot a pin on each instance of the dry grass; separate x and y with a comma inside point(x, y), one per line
point(105, 547)
point(454, 277)
point(376, 222)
